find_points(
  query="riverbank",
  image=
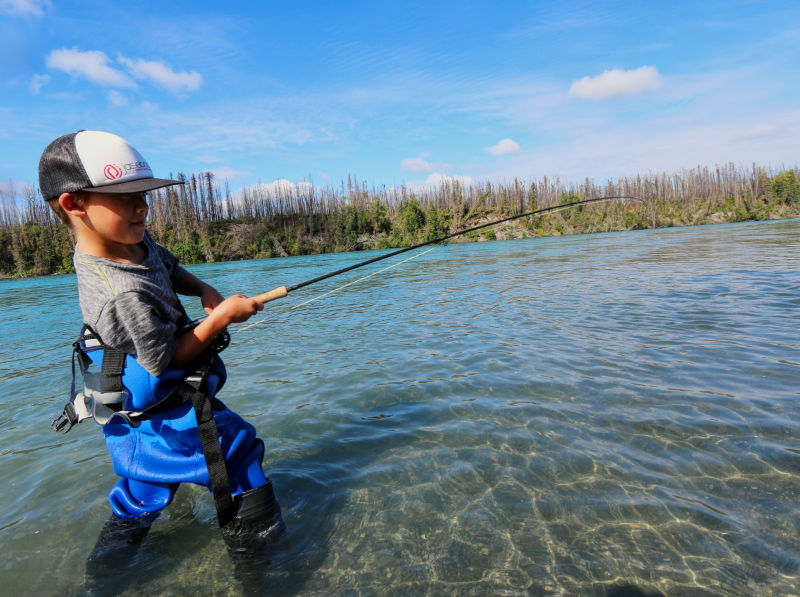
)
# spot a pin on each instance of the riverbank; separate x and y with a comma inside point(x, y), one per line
point(200, 223)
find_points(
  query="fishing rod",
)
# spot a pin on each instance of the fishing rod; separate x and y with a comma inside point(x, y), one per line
point(282, 291)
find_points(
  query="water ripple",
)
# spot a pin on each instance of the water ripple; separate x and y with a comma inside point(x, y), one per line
point(558, 416)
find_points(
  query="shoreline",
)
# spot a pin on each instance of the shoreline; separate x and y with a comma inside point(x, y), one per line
point(507, 231)
point(200, 222)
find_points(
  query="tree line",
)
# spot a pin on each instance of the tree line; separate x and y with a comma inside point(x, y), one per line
point(201, 220)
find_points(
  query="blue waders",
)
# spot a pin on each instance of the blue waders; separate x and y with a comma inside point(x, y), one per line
point(161, 432)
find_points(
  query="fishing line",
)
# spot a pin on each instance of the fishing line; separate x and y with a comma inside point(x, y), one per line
point(260, 321)
point(282, 291)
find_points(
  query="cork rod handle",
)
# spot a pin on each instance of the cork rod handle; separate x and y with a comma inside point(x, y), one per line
point(273, 294)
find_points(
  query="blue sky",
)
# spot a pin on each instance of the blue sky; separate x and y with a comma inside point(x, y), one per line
point(405, 92)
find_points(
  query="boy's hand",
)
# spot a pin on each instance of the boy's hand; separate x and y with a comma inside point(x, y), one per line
point(236, 309)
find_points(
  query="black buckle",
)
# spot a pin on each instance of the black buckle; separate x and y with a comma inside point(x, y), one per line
point(67, 418)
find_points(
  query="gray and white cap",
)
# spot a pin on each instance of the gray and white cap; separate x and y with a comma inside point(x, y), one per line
point(95, 161)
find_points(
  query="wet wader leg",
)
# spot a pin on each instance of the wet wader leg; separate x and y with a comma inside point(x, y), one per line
point(135, 506)
point(117, 545)
point(258, 527)
point(248, 473)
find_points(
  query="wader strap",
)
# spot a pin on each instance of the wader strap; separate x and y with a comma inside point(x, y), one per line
point(111, 370)
point(212, 451)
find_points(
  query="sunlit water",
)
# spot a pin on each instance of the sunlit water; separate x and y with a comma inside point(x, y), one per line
point(554, 416)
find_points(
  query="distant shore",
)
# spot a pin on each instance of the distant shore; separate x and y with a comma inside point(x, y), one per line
point(202, 222)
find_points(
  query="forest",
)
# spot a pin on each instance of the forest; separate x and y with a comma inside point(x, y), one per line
point(203, 221)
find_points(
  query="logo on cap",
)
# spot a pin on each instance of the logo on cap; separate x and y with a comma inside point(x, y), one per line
point(113, 172)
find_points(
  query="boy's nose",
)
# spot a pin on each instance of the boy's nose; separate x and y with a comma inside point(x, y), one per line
point(140, 202)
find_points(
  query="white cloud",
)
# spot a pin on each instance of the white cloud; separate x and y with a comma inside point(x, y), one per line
point(6, 188)
point(227, 173)
point(438, 179)
point(433, 182)
point(28, 8)
point(162, 75)
point(420, 164)
point(116, 98)
point(415, 165)
point(394, 193)
point(37, 82)
point(281, 188)
point(667, 146)
point(503, 147)
point(760, 131)
point(93, 65)
point(100, 69)
point(616, 83)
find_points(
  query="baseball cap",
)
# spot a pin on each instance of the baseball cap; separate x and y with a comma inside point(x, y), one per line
point(95, 161)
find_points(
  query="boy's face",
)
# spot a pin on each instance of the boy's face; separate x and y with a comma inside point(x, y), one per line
point(117, 218)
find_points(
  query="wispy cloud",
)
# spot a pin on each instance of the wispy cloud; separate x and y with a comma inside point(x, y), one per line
point(93, 65)
point(668, 146)
point(98, 68)
point(25, 8)
point(420, 164)
point(227, 173)
point(282, 188)
point(6, 188)
point(615, 83)
point(177, 82)
point(37, 82)
point(437, 179)
point(116, 98)
point(759, 131)
point(503, 147)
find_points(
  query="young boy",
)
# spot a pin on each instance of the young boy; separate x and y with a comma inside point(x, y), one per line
point(162, 378)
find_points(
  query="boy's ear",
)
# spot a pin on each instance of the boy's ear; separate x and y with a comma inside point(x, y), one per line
point(72, 204)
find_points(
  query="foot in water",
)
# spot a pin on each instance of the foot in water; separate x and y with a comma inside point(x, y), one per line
point(115, 548)
point(251, 539)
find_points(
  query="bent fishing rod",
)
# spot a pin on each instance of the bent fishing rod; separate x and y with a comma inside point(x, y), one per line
point(282, 291)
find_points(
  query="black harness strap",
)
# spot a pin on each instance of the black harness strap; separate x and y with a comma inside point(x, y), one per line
point(212, 450)
point(111, 370)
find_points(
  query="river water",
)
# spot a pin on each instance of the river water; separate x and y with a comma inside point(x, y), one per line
point(555, 416)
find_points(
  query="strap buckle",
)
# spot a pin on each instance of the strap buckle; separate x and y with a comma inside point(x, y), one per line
point(68, 418)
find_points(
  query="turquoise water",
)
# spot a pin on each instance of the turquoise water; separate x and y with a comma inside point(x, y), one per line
point(555, 416)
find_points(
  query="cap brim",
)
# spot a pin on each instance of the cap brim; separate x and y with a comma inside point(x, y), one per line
point(140, 185)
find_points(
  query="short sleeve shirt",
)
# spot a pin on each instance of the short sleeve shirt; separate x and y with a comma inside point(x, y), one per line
point(133, 307)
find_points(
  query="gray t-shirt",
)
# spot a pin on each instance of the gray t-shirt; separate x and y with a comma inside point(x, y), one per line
point(133, 306)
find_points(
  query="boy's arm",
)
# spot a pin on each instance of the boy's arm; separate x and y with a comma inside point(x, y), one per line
point(221, 312)
point(234, 309)
point(191, 285)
